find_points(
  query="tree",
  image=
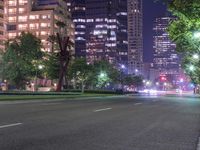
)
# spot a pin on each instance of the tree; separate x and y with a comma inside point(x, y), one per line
point(103, 73)
point(21, 58)
point(62, 40)
point(185, 32)
point(52, 66)
point(80, 71)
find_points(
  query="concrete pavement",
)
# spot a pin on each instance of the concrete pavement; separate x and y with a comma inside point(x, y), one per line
point(124, 123)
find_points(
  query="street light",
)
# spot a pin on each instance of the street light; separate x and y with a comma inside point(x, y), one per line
point(102, 74)
point(40, 67)
point(191, 68)
point(123, 67)
point(196, 34)
point(195, 56)
point(121, 76)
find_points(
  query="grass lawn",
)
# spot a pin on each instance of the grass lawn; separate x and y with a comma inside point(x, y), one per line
point(48, 97)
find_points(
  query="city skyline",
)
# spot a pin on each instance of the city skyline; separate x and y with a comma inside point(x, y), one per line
point(151, 10)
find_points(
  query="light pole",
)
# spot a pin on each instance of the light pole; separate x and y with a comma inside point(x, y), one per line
point(40, 67)
point(191, 68)
point(122, 67)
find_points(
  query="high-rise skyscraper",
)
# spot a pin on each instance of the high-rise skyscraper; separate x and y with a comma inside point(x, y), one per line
point(135, 36)
point(79, 18)
point(166, 59)
point(101, 29)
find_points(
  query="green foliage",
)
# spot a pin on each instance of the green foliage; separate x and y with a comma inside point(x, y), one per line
point(111, 74)
point(182, 32)
point(96, 75)
point(80, 70)
point(21, 59)
point(52, 66)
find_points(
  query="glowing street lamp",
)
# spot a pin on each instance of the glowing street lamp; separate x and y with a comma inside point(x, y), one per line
point(195, 56)
point(102, 75)
point(123, 67)
point(191, 68)
point(181, 80)
point(196, 34)
point(40, 67)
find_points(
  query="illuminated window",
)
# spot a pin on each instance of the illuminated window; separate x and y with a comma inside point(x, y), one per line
point(22, 10)
point(44, 25)
point(12, 11)
point(12, 19)
point(34, 26)
point(33, 17)
point(12, 2)
point(22, 2)
point(44, 33)
point(22, 18)
point(12, 35)
point(22, 26)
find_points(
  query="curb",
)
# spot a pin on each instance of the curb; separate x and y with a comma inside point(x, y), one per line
point(53, 100)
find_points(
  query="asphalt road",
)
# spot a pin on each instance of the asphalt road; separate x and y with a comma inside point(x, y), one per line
point(123, 123)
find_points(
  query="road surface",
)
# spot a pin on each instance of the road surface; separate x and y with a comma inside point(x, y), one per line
point(120, 123)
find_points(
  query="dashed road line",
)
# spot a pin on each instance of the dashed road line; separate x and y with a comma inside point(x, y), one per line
point(137, 104)
point(198, 145)
point(10, 125)
point(104, 109)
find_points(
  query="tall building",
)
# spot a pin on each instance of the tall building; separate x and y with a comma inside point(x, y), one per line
point(122, 34)
point(2, 29)
point(36, 16)
point(101, 30)
point(135, 36)
point(106, 30)
point(166, 60)
point(79, 18)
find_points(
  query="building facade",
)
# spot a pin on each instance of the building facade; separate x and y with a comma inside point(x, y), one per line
point(78, 9)
point(135, 36)
point(101, 30)
point(36, 16)
point(2, 29)
point(166, 60)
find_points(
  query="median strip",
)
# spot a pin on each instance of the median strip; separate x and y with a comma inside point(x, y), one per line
point(10, 125)
point(104, 109)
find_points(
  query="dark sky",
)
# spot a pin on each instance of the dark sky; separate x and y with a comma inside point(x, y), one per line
point(151, 11)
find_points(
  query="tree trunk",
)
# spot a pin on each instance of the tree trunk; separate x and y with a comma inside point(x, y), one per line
point(64, 60)
point(82, 87)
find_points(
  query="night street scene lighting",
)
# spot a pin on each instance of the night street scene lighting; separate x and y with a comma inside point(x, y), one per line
point(99, 75)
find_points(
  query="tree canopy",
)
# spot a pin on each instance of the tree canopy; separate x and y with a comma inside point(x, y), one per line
point(185, 32)
point(21, 58)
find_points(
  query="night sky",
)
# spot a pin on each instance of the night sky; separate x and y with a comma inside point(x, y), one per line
point(151, 11)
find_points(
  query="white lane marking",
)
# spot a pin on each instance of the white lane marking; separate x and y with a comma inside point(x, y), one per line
point(50, 104)
point(10, 125)
point(104, 109)
point(198, 145)
point(137, 104)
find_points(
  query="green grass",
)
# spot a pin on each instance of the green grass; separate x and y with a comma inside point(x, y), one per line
point(48, 97)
